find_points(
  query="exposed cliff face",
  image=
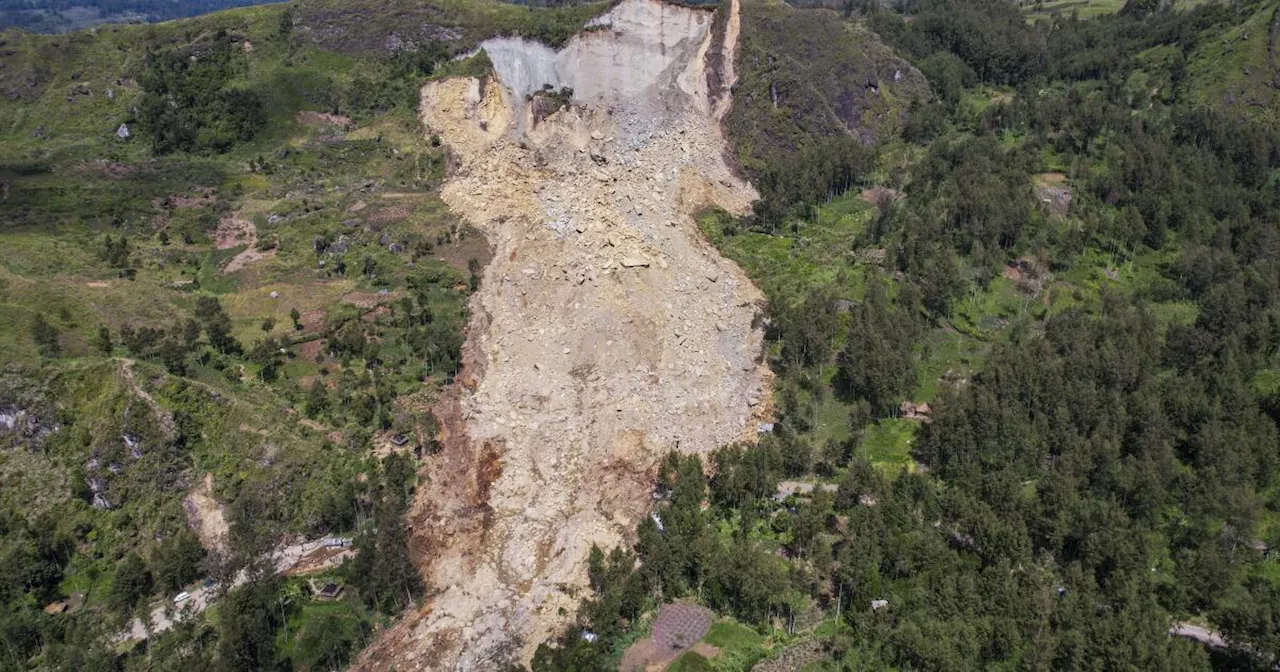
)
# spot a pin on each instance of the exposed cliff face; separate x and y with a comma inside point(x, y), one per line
point(607, 332)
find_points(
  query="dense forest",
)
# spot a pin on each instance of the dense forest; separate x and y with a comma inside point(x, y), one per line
point(1108, 469)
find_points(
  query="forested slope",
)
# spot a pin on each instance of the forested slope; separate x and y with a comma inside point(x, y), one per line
point(1069, 253)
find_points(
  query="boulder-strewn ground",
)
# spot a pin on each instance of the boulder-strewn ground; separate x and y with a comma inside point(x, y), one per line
point(611, 332)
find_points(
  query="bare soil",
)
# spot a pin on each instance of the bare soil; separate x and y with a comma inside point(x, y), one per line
point(677, 629)
point(205, 515)
point(605, 333)
point(233, 231)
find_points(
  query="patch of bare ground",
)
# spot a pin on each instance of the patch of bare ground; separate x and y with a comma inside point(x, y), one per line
point(389, 216)
point(201, 197)
point(605, 333)
point(879, 195)
point(232, 231)
point(310, 349)
point(205, 515)
point(367, 300)
point(677, 629)
point(322, 119)
point(1054, 192)
point(793, 658)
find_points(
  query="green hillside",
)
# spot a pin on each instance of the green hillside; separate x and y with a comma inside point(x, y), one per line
point(1068, 252)
point(225, 263)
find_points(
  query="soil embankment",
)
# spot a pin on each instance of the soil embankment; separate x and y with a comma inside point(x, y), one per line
point(605, 333)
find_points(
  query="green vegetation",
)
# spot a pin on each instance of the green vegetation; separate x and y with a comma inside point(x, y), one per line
point(228, 282)
point(807, 76)
point(1069, 256)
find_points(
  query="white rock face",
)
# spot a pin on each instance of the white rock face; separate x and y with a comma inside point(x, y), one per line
point(605, 333)
point(624, 56)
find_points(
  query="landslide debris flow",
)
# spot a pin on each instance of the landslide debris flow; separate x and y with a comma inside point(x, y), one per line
point(606, 331)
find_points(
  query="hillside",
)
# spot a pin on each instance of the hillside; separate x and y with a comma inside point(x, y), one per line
point(216, 318)
point(61, 16)
point(468, 335)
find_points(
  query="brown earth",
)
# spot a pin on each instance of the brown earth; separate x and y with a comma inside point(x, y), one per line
point(605, 333)
point(678, 628)
point(232, 231)
point(205, 515)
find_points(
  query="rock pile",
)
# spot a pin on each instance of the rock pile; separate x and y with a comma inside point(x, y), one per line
point(607, 331)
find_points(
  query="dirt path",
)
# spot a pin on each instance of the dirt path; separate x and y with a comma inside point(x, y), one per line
point(295, 559)
point(162, 415)
point(1198, 633)
point(605, 333)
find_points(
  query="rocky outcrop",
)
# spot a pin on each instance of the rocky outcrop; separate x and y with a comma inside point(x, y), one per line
point(606, 331)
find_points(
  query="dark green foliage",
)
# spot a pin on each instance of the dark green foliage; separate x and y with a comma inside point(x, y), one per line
point(176, 561)
point(570, 653)
point(133, 581)
point(877, 364)
point(266, 355)
point(806, 77)
point(115, 251)
point(248, 621)
point(46, 337)
point(794, 182)
point(217, 324)
point(382, 570)
point(317, 399)
point(992, 37)
point(103, 340)
point(325, 644)
point(189, 104)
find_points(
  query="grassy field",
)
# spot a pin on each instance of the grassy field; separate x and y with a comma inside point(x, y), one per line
point(1084, 9)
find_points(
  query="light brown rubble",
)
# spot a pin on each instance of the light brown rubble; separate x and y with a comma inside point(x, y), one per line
point(606, 330)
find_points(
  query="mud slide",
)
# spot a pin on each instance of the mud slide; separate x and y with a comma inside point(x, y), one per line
point(606, 331)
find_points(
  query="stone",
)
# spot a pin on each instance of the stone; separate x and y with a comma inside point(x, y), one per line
point(274, 295)
point(634, 262)
point(597, 135)
point(123, 132)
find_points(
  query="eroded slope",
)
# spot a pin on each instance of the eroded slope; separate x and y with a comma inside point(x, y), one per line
point(608, 331)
